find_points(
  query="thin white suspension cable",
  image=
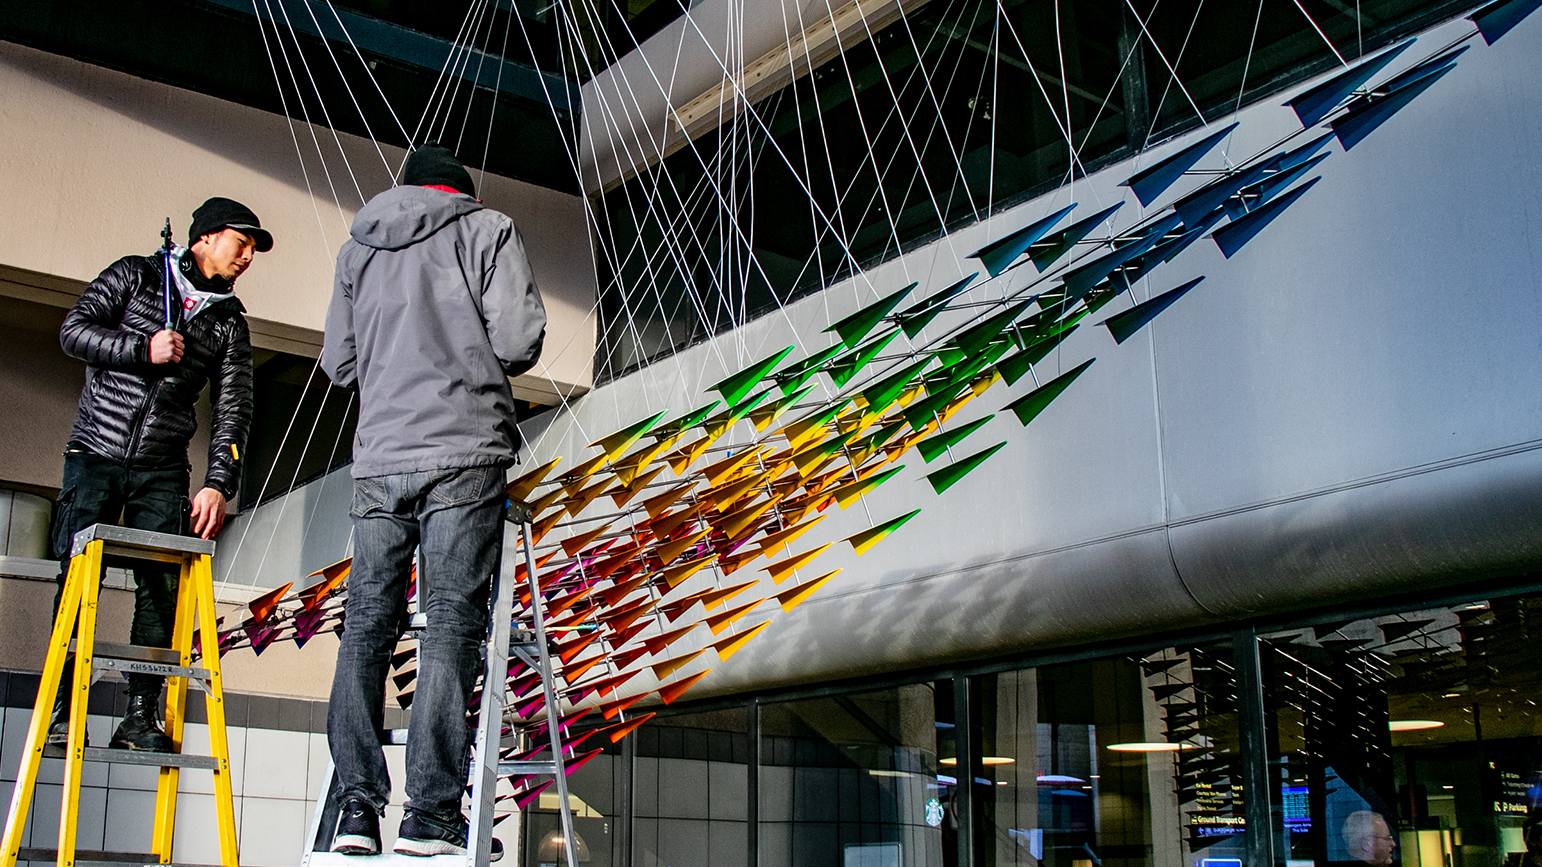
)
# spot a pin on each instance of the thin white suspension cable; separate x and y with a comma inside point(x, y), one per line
point(459, 71)
point(1118, 78)
point(463, 70)
point(574, 161)
point(503, 61)
point(371, 73)
point(338, 65)
point(941, 212)
point(438, 80)
point(283, 100)
point(1158, 49)
point(325, 250)
point(451, 64)
point(870, 152)
point(616, 246)
point(1065, 90)
point(477, 79)
point(1039, 81)
point(910, 138)
point(298, 464)
point(1248, 64)
point(326, 475)
point(1167, 88)
point(648, 66)
point(751, 114)
point(1324, 36)
point(320, 103)
point(990, 181)
point(937, 124)
point(305, 113)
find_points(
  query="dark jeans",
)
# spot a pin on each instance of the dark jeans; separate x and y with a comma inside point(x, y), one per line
point(96, 490)
point(455, 518)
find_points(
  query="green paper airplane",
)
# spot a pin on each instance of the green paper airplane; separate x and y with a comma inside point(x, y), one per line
point(735, 387)
point(1028, 407)
point(856, 326)
point(946, 477)
point(887, 390)
point(844, 368)
point(934, 446)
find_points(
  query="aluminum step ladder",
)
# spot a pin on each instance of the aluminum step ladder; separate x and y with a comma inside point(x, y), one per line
point(504, 638)
point(77, 614)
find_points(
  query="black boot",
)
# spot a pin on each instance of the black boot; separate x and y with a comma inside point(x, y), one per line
point(141, 727)
point(59, 722)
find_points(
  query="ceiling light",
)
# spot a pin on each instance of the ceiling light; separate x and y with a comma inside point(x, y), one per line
point(1413, 725)
point(950, 761)
point(1144, 748)
point(1059, 778)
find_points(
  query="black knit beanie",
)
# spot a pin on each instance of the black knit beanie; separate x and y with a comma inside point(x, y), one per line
point(434, 164)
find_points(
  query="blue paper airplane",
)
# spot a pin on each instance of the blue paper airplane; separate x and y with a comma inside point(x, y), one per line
point(1150, 182)
point(1232, 236)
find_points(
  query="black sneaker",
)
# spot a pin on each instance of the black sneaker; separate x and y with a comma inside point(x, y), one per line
point(358, 830)
point(424, 834)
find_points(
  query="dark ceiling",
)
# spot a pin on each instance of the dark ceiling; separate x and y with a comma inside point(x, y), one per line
point(222, 48)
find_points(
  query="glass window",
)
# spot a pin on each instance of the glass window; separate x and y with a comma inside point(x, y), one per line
point(595, 795)
point(691, 791)
point(1409, 739)
point(854, 780)
point(1118, 762)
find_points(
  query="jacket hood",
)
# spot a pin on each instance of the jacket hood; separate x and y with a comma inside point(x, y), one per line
point(405, 215)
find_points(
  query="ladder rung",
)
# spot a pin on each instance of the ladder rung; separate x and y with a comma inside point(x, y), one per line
point(129, 666)
point(87, 856)
point(548, 768)
point(156, 760)
point(132, 652)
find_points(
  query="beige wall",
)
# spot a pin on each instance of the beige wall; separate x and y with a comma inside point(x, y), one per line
point(92, 162)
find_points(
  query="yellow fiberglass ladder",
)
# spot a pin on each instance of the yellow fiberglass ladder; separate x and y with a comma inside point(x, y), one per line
point(75, 631)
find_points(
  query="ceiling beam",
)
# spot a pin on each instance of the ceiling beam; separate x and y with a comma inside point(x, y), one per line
point(413, 48)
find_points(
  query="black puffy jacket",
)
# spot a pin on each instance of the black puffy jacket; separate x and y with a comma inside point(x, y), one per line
point(138, 413)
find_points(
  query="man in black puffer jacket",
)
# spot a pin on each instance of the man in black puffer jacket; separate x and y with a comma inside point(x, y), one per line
point(152, 331)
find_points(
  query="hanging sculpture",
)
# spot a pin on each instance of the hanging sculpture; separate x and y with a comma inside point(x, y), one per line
point(623, 593)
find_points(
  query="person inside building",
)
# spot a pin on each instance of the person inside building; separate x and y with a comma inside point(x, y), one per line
point(153, 331)
point(1368, 839)
point(433, 309)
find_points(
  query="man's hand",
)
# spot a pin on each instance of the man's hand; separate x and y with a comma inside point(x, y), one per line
point(208, 511)
point(166, 345)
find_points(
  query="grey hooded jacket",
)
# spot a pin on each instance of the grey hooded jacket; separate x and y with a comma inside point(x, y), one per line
point(434, 307)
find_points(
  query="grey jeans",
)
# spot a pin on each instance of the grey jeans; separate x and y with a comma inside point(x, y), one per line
point(455, 518)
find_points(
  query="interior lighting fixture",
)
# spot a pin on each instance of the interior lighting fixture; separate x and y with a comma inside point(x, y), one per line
point(553, 849)
point(1148, 747)
point(1413, 725)
point(988, 760)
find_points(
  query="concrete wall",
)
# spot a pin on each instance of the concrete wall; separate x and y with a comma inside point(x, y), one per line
point(94, 160)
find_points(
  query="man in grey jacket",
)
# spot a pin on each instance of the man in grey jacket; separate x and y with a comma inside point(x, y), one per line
point(433, 309)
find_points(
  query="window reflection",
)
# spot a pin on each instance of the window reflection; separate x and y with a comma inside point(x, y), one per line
point(854, 780)
point(690, 789)
point(1110, 763)
point(1409, 739)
